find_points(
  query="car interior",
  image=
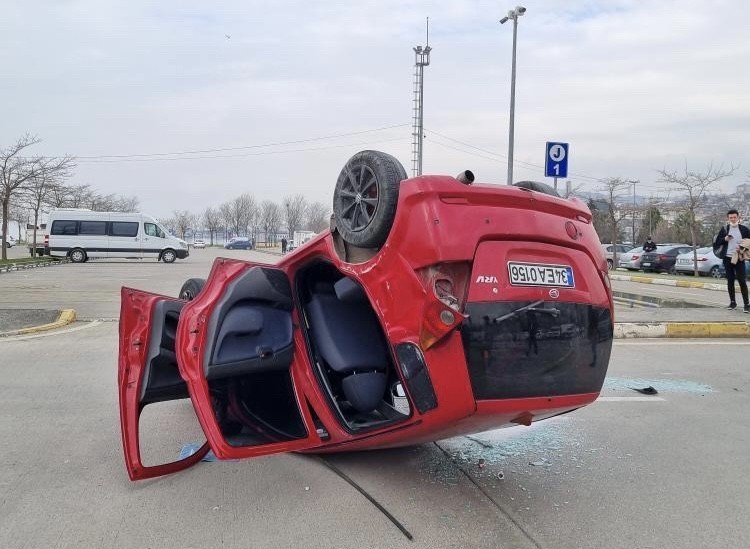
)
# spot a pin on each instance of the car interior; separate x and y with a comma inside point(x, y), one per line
point(249, 351)
point(349, 350)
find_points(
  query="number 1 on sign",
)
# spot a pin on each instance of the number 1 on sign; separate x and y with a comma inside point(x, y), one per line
point(556, 167)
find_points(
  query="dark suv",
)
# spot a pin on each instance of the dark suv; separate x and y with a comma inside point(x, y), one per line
point(664, 258)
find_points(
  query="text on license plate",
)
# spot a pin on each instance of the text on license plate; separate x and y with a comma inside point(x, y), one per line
point(540, 274)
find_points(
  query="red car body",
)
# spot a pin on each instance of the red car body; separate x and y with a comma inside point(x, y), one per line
point(471, 340)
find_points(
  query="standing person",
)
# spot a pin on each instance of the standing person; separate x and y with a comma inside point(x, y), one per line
point(726, 244)
point(283, 245)
point(649, 245)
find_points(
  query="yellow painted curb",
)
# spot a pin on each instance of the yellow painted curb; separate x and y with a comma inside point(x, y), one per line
point(708, 329)
point(690, 284)
point(66, 317)
point(641, 279)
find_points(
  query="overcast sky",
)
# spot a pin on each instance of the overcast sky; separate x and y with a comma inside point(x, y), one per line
point(633, 86)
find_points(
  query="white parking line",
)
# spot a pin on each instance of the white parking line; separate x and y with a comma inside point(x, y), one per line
point(50, 333)
point(661, 341)
point(630, 399)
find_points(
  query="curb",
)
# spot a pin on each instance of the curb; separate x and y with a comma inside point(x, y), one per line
point(11, 267)
point(670, 282)
point(67, 316)
point(628, 330)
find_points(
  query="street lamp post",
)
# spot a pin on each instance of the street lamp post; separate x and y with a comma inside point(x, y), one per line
point(513, 14)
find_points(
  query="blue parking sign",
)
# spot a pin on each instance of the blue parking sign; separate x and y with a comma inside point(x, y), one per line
point(556, 160)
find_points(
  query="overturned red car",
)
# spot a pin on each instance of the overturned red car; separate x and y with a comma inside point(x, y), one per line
point(433, 307)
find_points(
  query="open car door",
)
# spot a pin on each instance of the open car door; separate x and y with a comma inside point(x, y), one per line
point(232, 351)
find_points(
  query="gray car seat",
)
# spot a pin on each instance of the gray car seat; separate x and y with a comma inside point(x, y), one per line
point(348, 337)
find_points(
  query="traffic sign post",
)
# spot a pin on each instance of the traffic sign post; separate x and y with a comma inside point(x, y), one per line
point(556, 160)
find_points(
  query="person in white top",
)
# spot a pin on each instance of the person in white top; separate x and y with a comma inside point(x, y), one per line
point(727, 242)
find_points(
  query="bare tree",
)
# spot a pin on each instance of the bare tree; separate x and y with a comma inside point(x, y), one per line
point(615, 187)
point(15, 171)
point(295, 208)
point(238, 213)
point(270, 220)
point(694, 185)
point(19, 213)
point(212, 221)
point(49, 173)
point(183, 220)
point(318, 217)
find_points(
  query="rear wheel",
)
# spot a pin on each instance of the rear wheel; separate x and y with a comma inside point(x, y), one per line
point(364, 202)
point(715, 272)
point(192, 288)
point(78, 255)
point(168, 256)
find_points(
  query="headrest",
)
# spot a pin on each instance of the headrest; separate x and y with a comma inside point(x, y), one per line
point(348, 290)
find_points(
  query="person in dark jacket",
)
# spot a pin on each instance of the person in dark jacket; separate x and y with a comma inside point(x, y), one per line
point(727, 243)
point(649, 245)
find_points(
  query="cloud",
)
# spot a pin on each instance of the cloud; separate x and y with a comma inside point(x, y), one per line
point(634, 86)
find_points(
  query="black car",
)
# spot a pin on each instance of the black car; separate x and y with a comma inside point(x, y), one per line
point(239, 243)
point(664, 258)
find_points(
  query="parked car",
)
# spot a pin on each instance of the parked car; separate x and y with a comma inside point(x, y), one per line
point(239, 243)
point(663, 259)
point(9, 241)
point(631, 260)
point(199, 244)
point(708, 263)
point(609, 252)
point(373, 336)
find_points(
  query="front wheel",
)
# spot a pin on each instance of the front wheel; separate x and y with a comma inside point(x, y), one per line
point(715, 272)
point(192, 288)
point(168, 256)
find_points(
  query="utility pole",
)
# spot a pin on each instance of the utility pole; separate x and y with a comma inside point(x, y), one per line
point(633, 229)
point(514, 15)
point(421, 60)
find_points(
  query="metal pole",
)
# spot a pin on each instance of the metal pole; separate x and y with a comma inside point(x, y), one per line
point(633, 213)
point(512, 102)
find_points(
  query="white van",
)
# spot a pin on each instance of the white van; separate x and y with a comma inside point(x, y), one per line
point(81, 234)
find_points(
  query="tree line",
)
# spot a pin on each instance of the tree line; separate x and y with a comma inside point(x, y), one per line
point(263, 221)
point(31, 184)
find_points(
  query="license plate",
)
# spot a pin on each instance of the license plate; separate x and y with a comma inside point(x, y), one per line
point(540, 274)
point(648, 264)
point(684, 261)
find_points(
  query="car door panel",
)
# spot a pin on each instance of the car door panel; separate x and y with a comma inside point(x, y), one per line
point(236, 348)
point(147, 373)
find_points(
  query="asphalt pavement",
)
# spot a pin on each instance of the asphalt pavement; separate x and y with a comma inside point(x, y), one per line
point(666, 471)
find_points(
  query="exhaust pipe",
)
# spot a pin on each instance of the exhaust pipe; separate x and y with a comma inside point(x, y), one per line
point(466, 177)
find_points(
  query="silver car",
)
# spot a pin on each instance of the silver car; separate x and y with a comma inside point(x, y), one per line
point(631, 260)
point(708, 263)
point(609, 252)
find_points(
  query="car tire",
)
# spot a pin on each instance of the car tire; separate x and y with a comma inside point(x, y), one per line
point(610, 265)
point(715, 272)
point(77, 255)
point(191, 288)
point(538, 187)
point(365, 199)
point(672, 270)
point(168, 255)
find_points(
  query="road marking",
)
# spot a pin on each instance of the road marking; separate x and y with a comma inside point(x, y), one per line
point(51, 333)
point(630, 399)
point(660, 341)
